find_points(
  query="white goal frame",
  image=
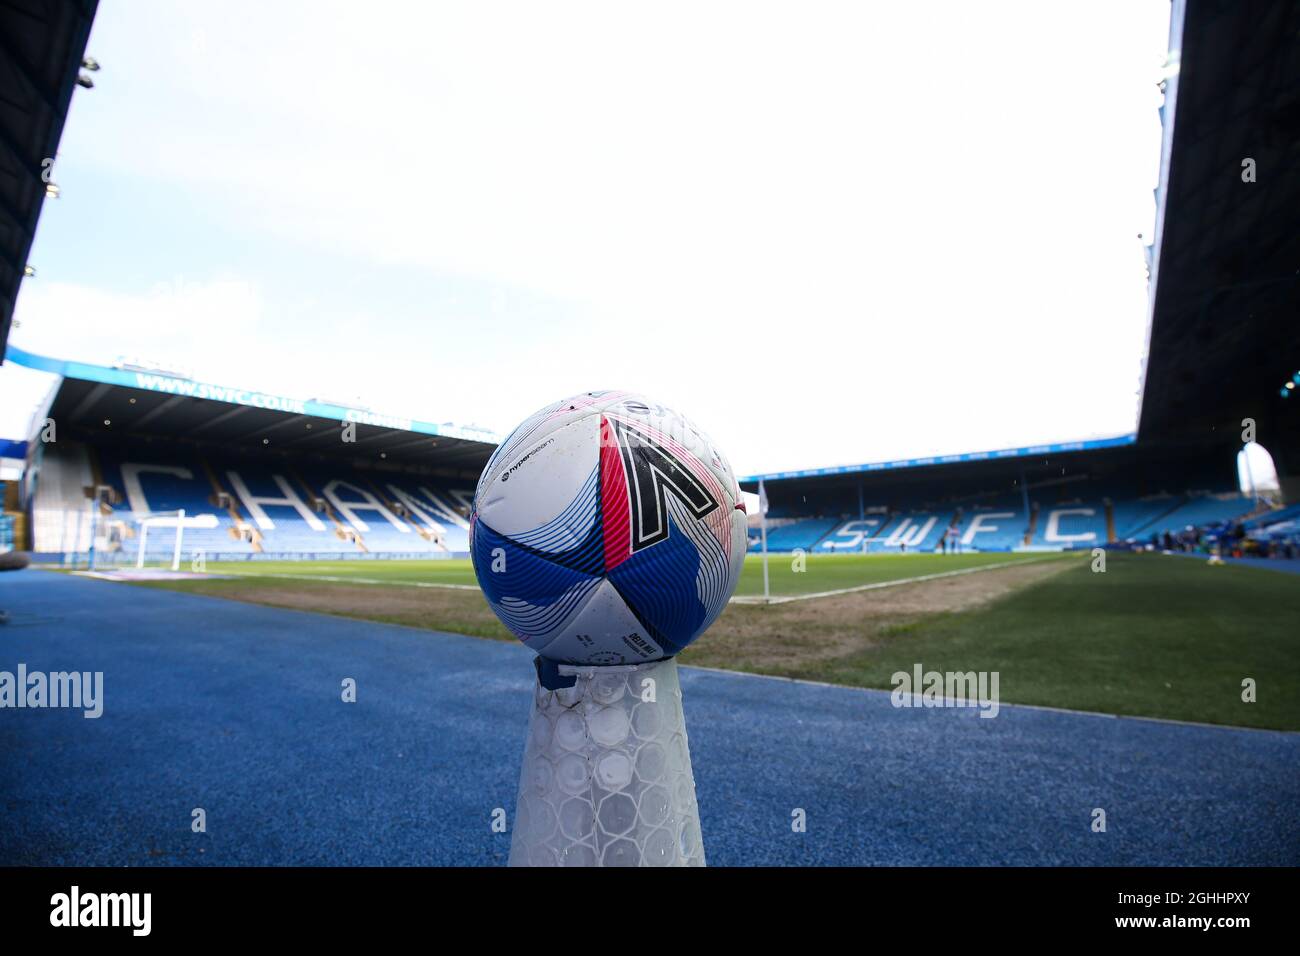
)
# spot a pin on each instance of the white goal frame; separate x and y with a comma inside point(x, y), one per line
point(170, 519)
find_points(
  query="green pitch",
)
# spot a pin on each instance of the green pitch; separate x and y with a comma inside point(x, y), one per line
point(447, 571)
point(1154, 635)
point(827, 572)
point(786, 575)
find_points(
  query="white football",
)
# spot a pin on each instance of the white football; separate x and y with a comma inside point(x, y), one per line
point(607, 529)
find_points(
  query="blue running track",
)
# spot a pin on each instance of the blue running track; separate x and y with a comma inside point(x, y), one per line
point(236, 709)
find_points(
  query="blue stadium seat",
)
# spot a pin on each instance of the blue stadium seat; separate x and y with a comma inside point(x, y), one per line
point(800, 534)
point(1134, 517)
point(387, 514)
point(1199, 511)
point(911, 530)
point(150, 484)
point(992, 524)
point(1074, 524)
point(1287, 515)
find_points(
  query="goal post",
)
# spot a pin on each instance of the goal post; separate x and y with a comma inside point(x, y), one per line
point(175, 520)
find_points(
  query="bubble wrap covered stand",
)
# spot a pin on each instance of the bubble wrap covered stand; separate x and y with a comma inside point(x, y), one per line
point(606, 779)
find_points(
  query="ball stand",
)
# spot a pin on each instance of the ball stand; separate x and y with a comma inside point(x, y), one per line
point(606, 779)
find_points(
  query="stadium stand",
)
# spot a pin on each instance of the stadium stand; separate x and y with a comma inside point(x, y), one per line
point(258, 475)
point(1199, 511)
point(13, 519)
point(1077, 523)
point(142, 484)
point(1085, 516)
point(61, 511)
point(993, 525)
point(912, 530)
point(855, 535)
point(803, 534)
point(1133, 517)
point(256, 509)
point(1276, 518)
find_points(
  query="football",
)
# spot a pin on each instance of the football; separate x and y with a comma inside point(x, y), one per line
point(607, 529)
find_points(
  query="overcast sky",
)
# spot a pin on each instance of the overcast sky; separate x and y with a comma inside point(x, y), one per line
point(829, 233)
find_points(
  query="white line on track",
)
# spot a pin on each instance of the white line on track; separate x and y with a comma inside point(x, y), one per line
point(785, 599)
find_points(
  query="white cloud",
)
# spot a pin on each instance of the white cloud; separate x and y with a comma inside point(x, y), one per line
point(205, 323)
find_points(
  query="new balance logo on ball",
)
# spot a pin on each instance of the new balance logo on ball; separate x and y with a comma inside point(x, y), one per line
point(652, 472)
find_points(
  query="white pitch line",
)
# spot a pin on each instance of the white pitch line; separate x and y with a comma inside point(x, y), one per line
point(744, 599)
point(785, 599)
point(351, 580)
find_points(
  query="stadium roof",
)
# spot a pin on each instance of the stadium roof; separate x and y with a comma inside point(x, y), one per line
point(145, 404)
point(1227, 271)
point(41, 49)
point(1024, 451)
